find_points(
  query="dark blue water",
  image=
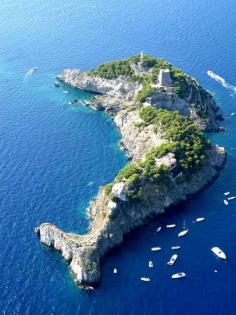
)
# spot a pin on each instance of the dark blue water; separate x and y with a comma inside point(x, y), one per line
point(53, 157)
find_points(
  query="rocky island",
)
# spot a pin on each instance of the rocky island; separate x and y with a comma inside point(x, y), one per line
point(161, 113)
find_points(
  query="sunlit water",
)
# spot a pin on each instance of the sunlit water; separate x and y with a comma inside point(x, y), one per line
point(54, 157)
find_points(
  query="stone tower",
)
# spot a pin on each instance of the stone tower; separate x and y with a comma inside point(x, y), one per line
point(164, 77)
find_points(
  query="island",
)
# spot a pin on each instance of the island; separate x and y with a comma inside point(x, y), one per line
point(162, 114)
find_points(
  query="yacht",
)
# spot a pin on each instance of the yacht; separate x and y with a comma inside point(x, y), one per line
point(218, 252)
point(226, 193)
point(172, 260)
point(226, 202)
point(145, 279)
point(231, 198)
point(200, 219)
point(175, 247)
point(178, 275)
point(184, 231)
point(115, 270)
point(155, 249)
point(150, 264)
point(169, 226)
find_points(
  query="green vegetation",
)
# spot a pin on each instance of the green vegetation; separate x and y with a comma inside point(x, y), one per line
point(183, 85)
point(145, 93)
point(183, 139)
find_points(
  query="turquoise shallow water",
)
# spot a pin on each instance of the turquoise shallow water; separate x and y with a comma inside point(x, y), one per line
point(54, 157)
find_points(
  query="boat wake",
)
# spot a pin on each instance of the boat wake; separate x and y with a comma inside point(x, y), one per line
point(222, 81)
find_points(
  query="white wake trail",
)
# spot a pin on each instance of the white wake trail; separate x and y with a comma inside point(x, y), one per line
point(222, 81)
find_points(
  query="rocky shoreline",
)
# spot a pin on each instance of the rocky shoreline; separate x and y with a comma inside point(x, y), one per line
point(113, 214)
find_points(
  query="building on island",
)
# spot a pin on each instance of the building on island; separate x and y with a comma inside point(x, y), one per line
point(164, 77)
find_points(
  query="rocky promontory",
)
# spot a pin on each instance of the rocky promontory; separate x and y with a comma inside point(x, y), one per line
point(160, 112)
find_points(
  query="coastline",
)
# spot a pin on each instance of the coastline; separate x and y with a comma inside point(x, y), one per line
point(110, 220)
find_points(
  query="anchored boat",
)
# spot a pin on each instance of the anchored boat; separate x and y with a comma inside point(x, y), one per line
point(150, 264)
point(155, 249)
point(169, 226)
point(145, 279)
point(218, 252)
point(178, 275)
point(172, 260)
point(200, 219)
point(175, 247)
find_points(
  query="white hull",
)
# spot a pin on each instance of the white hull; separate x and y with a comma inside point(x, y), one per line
point(183, 233)
point(178, 275)
point(200, 219)
point(218, 252)
point(172, 260)
point(145, 279)
point(170, 226)
point(155, 249)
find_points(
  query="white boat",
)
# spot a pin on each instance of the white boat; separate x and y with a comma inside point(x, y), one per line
point(200, 219)
point(231, 198)
point(150, 264)
point(178, 275)
point(226, 193)
point(30, 72)
point(169, 226)
point(155, 249)
point(65, 92)
point(226, 202)
point(172, 260)
point(158, 229)
point(145, 279)
point(232, 114)
point(182, 233)
point(218, 252)
point(175, 247)
point(115, 271)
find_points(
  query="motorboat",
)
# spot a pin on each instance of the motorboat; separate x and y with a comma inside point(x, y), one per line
point(218, 252)
point(183, 233)
point(226, 202)
point(158, 229)
point(169, 226)
point(115, 271)
point(155, 249)
point(226, 193)
point(175, 247)
point(178, 275)
point(172, 260)
point(150, 264)
point(231, 198)
point(200, 219)
point(145, 279)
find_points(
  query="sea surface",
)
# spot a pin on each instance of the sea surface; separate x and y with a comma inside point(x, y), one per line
point(54, 157)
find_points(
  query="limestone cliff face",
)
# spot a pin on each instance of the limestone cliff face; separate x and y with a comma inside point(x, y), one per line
point(121, 92)
point(110, 220)
point(108, 226)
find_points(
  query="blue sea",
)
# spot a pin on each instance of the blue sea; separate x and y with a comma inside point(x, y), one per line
point(54, 157)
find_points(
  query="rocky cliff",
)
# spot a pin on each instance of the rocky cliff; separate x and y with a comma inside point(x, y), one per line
point(165, 170)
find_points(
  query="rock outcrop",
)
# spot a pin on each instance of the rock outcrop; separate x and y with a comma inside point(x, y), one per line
point(112, 219)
